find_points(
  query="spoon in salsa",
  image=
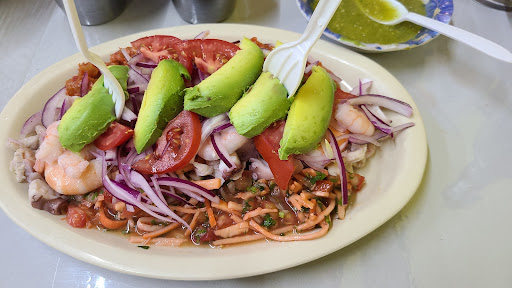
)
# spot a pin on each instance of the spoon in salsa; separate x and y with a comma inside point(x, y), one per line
point(391, 12)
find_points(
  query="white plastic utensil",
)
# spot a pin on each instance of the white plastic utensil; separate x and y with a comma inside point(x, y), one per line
point(288, 61)
point(475, 41)
point(110, 82)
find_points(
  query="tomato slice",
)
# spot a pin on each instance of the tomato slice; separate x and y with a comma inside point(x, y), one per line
point(208, 54)
point(176, 147)
point(115, 135)
point(267, 144)
point(159, 47)
point(76, 217)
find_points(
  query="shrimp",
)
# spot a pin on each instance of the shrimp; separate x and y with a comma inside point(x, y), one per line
point(354, 120)
point(66, 172)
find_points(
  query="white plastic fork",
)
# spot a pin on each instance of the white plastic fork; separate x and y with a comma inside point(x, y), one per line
point(110, 82)
point(288, 61)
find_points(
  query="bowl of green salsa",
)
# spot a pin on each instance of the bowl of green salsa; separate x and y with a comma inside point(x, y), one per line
point(351, 27)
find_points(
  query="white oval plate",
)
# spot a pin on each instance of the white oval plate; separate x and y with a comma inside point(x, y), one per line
point(392, 175)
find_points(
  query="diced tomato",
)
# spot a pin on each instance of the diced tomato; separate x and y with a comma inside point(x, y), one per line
point(267, 144)
point(356, 181)
point(176, 147)
point(208, 236)
point(115, 135)
point(76, 217)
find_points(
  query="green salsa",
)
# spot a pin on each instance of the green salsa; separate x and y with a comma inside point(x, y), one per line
point(350, 21)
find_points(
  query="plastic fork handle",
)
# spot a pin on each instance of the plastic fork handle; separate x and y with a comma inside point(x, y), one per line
point(317, 23)
point(488, 47)
point(110, 82)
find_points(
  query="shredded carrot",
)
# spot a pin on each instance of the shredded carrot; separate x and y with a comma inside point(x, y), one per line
point(293, 200)
point(222, 205)
point(165, 229)
point(233, 230)
point(236, 218)
point(295, 237)
point(161, 231)
point(211, 216)
point(160, 241)
point(109, 223)
point(295, 187)
point(248, 238)
point(258, 211)
point(235, 206)
point(239, 239)
point(320, 217)
point(210, 184)
point(186, 210)
point(192, 224)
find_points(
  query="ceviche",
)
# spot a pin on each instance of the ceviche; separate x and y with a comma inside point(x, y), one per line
point(209, 149)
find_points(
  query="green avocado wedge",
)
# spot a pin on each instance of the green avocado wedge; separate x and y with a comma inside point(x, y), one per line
point(162, 101)
point(265, 103)
point(309, 114)
point(90, 115)
point(220, 91)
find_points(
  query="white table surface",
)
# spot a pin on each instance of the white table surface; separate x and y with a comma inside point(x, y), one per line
point(455, 232)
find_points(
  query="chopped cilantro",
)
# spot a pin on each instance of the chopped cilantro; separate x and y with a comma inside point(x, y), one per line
point(319, 176)
point(305, 209)
point(282, 234)
point(272, 185)
point(268, 221)
point(253, 189)
point(328, 219)
point(281, 214)
point(144, 247)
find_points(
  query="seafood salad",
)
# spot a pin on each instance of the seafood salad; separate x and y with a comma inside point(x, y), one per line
point(209, 150)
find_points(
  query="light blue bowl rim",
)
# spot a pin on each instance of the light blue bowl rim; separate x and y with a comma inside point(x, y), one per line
point(440, 10)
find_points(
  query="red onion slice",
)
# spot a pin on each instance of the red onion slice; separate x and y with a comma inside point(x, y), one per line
point(221, 151)
point(377, 122)
point(136, 77)
point(341, 166)
point(139, 181)
point(84, 86)
point(52, 108)
point(383, 101)
point(146, 65)
point(190, 186)
point(31, 123)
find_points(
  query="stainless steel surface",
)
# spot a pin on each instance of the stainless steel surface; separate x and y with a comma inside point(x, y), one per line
point(204, 11)
point(96, 12)
point(498, 4)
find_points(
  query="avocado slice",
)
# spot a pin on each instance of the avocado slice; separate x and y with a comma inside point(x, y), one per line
point(265, 103)
point(309, 114)
point(162, 101)
point(220, 91)
point(90, 115)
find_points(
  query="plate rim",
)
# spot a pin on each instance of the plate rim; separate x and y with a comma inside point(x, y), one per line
point(208, 275)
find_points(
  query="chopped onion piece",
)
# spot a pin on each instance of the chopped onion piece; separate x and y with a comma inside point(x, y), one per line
point(202, 35)
point(128, 115)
